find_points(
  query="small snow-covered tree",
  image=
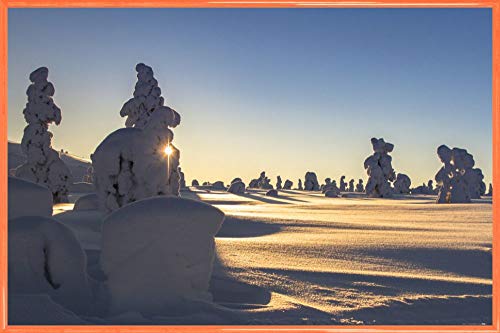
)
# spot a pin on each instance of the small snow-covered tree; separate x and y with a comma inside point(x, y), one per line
point(311, 182)
point(359, 186)
point(351, 185)
point(343, 184)
point(379, 169)
point(278, 183)
point(458, 180)
point(402, 184)
point(43, 165)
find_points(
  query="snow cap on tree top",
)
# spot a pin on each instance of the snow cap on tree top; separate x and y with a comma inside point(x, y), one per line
point(39, 75)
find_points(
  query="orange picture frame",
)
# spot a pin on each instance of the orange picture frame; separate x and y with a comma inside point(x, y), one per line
point(493, 4)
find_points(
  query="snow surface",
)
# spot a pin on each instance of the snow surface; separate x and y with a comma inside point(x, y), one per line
point(324, 261)
point(22, 308)
point(302, 258)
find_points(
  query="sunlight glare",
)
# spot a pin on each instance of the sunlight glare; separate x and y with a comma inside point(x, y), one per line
point(168, 150)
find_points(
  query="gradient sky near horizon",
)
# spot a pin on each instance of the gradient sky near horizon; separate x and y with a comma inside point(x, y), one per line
point(281, 90)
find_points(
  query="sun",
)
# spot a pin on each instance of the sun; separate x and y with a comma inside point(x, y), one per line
point(168, 150)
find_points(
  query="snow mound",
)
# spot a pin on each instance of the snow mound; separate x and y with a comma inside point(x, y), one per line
point(272, 193)
point(237, 187)
point(27, 198)
point(45, 257)
point(218, 185)
point(332, 193)
point(87, 202)
point(158, 252)
point(402, 184)
point(82, 187)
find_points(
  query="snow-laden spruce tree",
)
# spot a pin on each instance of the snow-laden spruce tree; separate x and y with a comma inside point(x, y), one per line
point(263, 182)
point(278, 183)
point(139, 161)
point(43, 165)
point(458, 180)
point(351, 185)
point(379, 169)
point(311, 182)
point(359, 186)
point(343, 184)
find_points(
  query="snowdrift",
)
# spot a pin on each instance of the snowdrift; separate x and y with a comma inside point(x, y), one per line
point(159, 252)
point(40, 310)
point(46, 258)
point(237, 187)
point(27, 198)
point(87, 202)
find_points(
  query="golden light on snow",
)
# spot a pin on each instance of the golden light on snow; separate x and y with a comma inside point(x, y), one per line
point(168, 150)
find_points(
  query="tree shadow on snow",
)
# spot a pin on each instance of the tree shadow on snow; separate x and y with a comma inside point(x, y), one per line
point(263, 199)
point(384, 285)
point(238, 227)
point(470, 262)
point(229, 292)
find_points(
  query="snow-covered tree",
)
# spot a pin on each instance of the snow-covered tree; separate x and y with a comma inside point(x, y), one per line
point(359, 186)
point(351, 185)
point(458, 180)
point(43, 165)
point(278, 182)
point(379, 169)
point(311, 182)
point(139, 161)
point(343, 184)
point(402, 184)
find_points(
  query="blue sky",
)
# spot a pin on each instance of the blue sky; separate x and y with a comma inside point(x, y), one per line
point(281, 90)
